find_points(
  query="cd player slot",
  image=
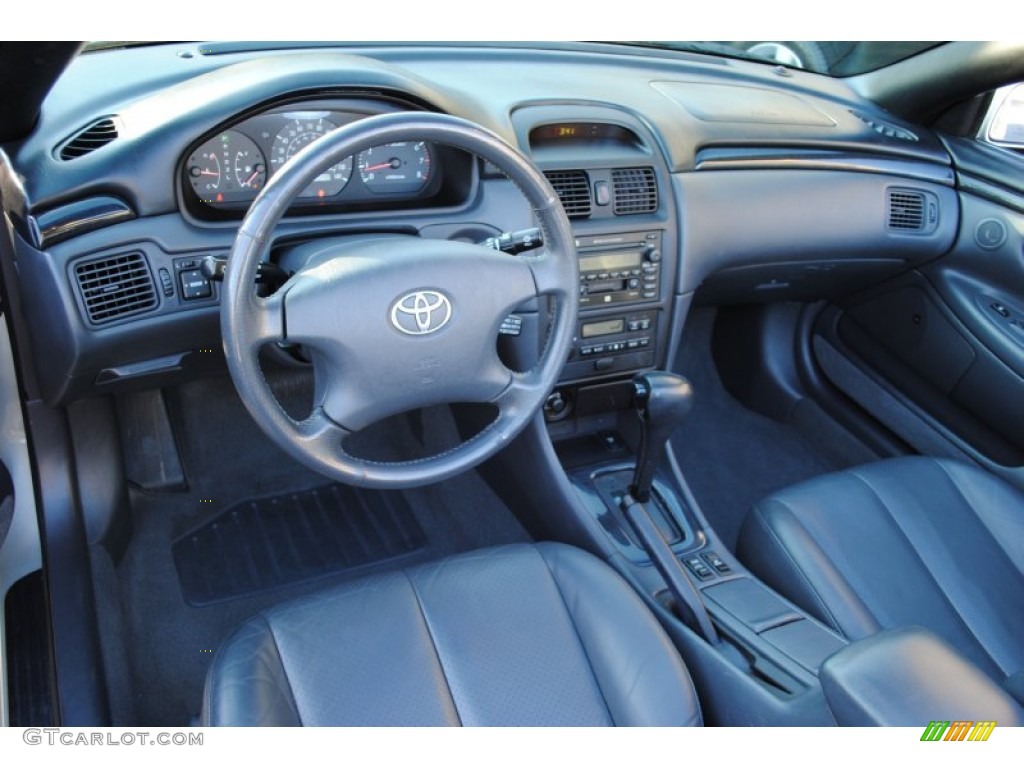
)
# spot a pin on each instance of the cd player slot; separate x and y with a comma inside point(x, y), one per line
point(619, 269)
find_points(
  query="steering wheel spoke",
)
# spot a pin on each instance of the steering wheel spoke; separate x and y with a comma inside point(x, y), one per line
point(548, 273)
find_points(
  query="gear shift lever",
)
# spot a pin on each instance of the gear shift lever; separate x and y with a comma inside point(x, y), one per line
point(663, 400)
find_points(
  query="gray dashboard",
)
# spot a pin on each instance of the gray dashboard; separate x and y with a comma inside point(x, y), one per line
point(766, 184)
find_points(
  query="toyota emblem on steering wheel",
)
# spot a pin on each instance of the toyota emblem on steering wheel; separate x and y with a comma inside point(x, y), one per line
point(421, 312)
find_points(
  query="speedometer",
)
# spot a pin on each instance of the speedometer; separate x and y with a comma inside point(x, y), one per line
point(294, 137)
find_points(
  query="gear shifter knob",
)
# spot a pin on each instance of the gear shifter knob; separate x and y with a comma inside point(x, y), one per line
point(663, 401)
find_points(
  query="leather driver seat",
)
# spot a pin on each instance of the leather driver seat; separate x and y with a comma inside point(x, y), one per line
point(521, 635)
point(909, 541)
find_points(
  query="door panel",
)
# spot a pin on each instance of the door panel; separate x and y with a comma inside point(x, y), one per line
point(947, 340)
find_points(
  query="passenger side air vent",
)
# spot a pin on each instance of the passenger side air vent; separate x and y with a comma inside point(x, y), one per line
point(636, 191)
point(905, 210)
point(883, 127)
point(573, 189)
point(116, 286)
point(97, 135)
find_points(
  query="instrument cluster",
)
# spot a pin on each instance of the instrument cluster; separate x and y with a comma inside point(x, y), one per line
point(224, 172)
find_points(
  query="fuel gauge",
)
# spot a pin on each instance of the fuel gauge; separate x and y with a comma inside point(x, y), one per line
point(229, 168)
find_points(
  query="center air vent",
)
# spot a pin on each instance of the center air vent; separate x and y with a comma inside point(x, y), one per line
point(115, 286)
point(573, 189)
point(99, 134)
point(905, 210)
point(636, 191)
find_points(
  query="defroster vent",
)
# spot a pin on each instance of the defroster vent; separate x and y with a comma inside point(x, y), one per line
point(573, 189)
point(905, 210)
point(636, 191)
point(91, 138)
point(115, 286)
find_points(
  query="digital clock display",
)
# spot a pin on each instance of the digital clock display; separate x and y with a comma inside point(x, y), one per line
point(560, 132)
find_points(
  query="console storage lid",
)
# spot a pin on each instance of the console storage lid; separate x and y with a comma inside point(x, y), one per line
point(910, 677)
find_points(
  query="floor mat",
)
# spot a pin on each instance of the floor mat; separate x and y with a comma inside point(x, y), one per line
point(266, 543)
point(168, 642)
point(731, 456)
point(29, 658)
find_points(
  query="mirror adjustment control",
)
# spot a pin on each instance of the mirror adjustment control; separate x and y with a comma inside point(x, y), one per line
point(194, 285)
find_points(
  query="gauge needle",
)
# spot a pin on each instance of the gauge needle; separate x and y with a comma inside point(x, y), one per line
point(251, 179)
point(208, 173)
point(381, 166)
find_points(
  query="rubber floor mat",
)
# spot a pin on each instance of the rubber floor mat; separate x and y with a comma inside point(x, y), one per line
point(29, 658)
point(267, 543)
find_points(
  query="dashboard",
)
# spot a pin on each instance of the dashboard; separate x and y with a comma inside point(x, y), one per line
point(687, 178)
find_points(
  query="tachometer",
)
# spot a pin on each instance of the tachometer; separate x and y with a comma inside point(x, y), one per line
point(399, 168)
point(295, 136)
point(227, 168)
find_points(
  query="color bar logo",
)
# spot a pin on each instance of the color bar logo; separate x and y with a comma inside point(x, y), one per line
point(958, 730)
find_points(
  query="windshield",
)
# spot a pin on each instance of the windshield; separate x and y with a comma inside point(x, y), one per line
point(839, 59)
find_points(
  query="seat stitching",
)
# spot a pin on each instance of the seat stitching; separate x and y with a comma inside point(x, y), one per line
point(579, 638)
point(433, 643)
point(928, 570)
point(817, 597)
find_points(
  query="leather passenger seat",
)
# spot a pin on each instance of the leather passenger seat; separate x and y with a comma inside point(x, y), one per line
point(518, 635)
point(909, 541)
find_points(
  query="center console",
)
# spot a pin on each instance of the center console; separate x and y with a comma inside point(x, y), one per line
point(754, 656)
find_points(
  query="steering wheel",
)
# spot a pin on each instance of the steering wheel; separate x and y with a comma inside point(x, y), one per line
point(395, 323)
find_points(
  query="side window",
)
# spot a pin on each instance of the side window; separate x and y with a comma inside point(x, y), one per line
point(1004, 123)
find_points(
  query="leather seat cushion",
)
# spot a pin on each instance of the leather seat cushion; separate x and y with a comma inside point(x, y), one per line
point(909, 541)
point(522, 635)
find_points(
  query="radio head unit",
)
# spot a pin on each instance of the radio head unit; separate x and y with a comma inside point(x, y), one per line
point(619, 269)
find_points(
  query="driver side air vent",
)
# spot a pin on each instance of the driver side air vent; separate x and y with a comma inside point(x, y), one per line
point(97, 135)
point(573, 189)
point(636, 191)
point(905, 210)
point(116, 286)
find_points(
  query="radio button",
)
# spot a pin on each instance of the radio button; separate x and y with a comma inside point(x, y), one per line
point(635, 273)
point(633, 343)
point(634, 325)
point(586, 351)
point(650, 294)
point(634, 282)
point(597, 349)
point(604, 363)
point(603, 276)
point(592, 276)
point(644, 324)
point(645, 341)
